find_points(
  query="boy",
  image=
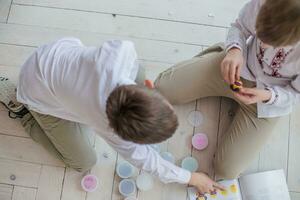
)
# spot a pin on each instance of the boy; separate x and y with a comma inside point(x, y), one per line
point(262, 49)
point(66, 86)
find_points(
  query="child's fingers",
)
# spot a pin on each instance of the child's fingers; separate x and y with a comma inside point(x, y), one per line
point(224, 71)
point(149, 84)
point(249, 91)
point(241, 97)
point(232, 73)
point(238, 72)
point(219, 186)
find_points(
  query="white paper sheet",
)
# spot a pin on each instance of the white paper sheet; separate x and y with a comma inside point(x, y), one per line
point(269, 185)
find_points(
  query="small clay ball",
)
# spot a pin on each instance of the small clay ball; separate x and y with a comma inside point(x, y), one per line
point(236, 86)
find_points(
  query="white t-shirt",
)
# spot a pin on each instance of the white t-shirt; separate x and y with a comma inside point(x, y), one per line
point(67, 80)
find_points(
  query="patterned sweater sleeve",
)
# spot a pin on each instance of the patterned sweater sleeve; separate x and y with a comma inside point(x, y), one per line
point(285, 97)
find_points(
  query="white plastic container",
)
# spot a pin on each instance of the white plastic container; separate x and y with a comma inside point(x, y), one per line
point(144, 182)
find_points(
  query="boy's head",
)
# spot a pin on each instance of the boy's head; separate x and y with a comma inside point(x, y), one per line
point(278, 22)
point(140, 115)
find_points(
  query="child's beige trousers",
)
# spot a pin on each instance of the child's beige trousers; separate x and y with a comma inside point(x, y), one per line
point(201, 77)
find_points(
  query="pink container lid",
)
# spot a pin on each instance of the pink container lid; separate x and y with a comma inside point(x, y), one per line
point(89, 183)
point(200, 141)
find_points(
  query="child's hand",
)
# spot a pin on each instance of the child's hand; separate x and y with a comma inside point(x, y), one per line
point(204, 184)
point(231, 65)
point(252, 95)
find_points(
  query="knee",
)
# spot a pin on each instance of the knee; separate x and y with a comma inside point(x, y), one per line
point(86, 162)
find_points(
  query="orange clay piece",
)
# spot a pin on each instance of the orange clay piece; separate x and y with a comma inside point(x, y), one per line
point(149, 84)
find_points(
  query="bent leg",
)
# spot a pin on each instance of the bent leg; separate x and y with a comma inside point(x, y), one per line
point(195, 78)
point(32, 127)
point(243, 141)
point(72, 140)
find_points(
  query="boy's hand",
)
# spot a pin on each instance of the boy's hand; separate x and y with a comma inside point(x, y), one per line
point(204, 184)
point(252, 95)
point(231, 65)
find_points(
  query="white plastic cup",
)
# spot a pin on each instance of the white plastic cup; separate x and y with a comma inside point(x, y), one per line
point(127, 187)
point(168, 156)
point(144, 182)
point(125, 170)
point(190, 164)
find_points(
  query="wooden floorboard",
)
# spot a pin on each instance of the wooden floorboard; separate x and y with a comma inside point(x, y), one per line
point(294, 150)
point(168, 52)
point(164, 32)
point(50, 183)
point(19, 173)
point(121, 25)
point(6, 192)
point(295, 195)
point(212, 13)
point(4, 9)
point(23, 193)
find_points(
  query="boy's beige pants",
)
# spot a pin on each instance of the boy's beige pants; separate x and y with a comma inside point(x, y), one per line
point(201, 77)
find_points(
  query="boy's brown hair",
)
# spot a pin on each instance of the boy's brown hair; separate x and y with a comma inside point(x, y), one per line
point(278, 22)
point(140, 115)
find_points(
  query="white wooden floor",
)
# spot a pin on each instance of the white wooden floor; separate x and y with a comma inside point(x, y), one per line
point(165, 32)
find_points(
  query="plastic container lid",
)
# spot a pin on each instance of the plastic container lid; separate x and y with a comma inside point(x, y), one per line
point(89, 183)
point(125, 170)
point(127, 187)
point(195, 118)
point(200, 141)
point(144, 182)
point(190, 164)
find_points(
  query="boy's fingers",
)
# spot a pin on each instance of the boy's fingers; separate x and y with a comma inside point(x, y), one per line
point(219, 186)
point(149, 84)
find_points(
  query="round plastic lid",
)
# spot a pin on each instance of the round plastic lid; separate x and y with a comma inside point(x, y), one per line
point(195, 118)
point(127, 187)
point(89, 183)
point(144, 182)
point(200, 141)
point(190, 164)
point(125, 170)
